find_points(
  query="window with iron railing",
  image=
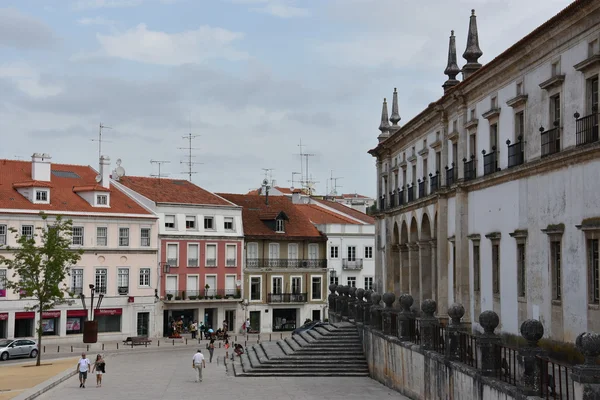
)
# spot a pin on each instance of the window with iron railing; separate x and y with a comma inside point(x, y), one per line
point(490, 161)
point(145, 237)
point(434, 182)
point(401, 197)
point(422, 188)
point(172, 255)
point(470, 168)
point(586, 129)
point(411, 193)
point(77, 281)
point(123, 236)
point(550, 140)
point(450, 176)
point(515, 152)
point(123, 281)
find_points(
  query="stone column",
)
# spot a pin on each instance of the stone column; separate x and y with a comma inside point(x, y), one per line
point(375, 310)
point(586, 377)
point(442, 259)
point(351, 302)
point(425, 278)
point(433, 269)
point(406, 318)
point(453, 330)
point(396, 268)
point(358, 314)
point(404, 269)
point(413, 262)
point(388, 315)
point(463, 286)
point(529, 366)
point(428, 324)
point(490, 359)
point(367, 308)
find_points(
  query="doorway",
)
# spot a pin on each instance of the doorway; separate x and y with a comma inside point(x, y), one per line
point(210, 315)
point(316, 315)
point(284, 319)
point(230, 318)
point(255, 321)
point(143, 322)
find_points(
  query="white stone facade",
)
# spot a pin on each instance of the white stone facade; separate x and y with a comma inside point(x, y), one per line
point(521, 238)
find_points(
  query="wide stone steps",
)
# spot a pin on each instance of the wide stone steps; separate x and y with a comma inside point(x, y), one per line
point(330, 350)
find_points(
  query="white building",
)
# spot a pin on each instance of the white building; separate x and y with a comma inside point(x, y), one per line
point(118, 239)
point(489, 196)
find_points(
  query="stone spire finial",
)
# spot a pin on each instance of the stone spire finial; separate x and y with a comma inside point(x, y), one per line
point(384, 127)
point(472, 52)
point(395, 118)
point(452, 68)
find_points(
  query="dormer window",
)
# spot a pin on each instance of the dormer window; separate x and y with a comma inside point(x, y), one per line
point(102, 200)
point(280, 225)
point(41, 195)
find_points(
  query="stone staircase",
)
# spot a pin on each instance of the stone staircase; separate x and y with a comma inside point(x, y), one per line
point(330, 350)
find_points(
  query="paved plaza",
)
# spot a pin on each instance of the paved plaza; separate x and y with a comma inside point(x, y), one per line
point(168, 375)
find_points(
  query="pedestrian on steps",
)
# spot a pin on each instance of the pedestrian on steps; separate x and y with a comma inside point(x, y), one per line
point(198, 363)
point(211, 348)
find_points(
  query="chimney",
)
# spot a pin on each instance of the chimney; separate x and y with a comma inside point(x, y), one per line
point(452, 68)
point(473, 52)
point(40, 167)
point(296, 198)
point(105, 171)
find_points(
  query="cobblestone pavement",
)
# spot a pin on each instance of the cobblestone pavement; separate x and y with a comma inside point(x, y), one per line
point(169, 375)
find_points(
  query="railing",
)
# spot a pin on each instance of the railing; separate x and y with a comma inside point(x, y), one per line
point(414, 331)
point(450, 176)
point(172, 262)
point(411, 193)
point(401, 197)
point(203, 294)
point(507, 368)
point(515, 153)
point(422, 191)
point(434, 182)
point(211, 262)
point(555, 382)
point(470, 168)
point(490, 161)
point(382, 204)
point(392, 199)
point(550, 141)
point(586, 129)
point(284, 263)
point(287, 297)
point(123, 290)
point(230, 262)
point(192, 262)
point(467, 345)
point(354, 264)
point(439, 339)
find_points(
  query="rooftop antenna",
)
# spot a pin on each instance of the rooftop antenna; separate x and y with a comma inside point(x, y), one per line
point(305, 178)
point(160, 163)
point(334, 185)
point(99, 140)
point(18, 157)
point(293, 180)
point(190, 162)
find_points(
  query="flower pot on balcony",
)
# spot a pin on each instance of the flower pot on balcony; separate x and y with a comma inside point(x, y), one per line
point(192, 297)
point(169, 297)
point(218, 297)
point(177, 297)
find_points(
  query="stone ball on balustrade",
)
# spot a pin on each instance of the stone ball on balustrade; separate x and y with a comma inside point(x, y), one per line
point(352, 291)
point(375, 298)
point(588, 344)
point(532, 330)
point(368, 294)
point(429, 307)
point(456, 311)
point(388, 299)
point(489, 321)
point(406, 301)
point(360, 294)
point(333, 288)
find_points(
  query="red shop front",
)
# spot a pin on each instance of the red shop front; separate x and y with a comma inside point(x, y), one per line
point(75, 319)
point(50, 322)
point(109, 319)
point(24, 323)
point(3, 325)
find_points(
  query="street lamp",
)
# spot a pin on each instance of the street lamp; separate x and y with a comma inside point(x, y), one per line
point(90, 327)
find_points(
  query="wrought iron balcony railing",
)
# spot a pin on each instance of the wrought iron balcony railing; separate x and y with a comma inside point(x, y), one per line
point(401, 197)
point(434, 182)
point(173, 262)
point(287, 297)
point(192, 262)
point(211, 262)
point(550, 140)
point(352, 264)
point(285, 263)
point(422, 188)
point(203, 294)
point(515, 153)
point(392, 199)
point(411, 193)
point(230, 262)
point(586, 129)
point(450, 175)
point(470, 168)
point(490, 161)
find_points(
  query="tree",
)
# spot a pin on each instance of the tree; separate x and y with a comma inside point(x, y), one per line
point(39, 270)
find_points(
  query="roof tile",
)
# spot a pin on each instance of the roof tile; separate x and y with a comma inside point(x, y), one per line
point(319, 215)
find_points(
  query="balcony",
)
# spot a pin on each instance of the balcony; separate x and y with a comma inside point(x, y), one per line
point(401, 197)
point(586, 129)
point(550, 140)
point(434, 182)
point(382, 203)
point(211, 262)
point(230, 262)
point(411, 193)
point(284, 263)
point(192, 262)
point(172, 262)
point(470, 168)
point(392, 199)
point(287, 297)
point(123, 290)
point(352, 264)
point(515, 153)
point(76, 291)
point(490, 161)
point(450, 176)
point(422, 188)
point(203, 295)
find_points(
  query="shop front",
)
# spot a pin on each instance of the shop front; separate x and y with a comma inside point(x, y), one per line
point(75, 320)
point(285, 319)
point(108, 319)
point(3, 325)
point(24, 324)
point(50, 323)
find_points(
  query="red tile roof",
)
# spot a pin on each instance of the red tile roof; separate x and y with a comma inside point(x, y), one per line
point(62, 197)
point(90, 188)
point(348, 211)
point(167, 190)
point(31, 183)
point(320, 215)
point(253, 207)
point(353, 196)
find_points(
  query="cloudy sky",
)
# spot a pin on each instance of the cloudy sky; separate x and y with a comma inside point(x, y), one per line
point(252, 77)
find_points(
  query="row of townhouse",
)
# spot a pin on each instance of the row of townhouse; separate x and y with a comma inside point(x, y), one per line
point(161, 249)
point(488, 196)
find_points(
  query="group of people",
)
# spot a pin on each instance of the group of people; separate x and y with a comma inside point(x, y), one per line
point(84, 366)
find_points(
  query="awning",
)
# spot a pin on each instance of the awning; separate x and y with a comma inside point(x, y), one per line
point(108, 311)
point(77, 313)
point(25, 315)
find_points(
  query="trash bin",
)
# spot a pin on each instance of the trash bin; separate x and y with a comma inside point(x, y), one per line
point(90, 332)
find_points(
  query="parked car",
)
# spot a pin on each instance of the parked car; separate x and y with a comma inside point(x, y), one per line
point(307, 326)
point(13, 348)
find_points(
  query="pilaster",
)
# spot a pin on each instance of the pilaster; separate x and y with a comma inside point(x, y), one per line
point(462, 285)
point(442, 255)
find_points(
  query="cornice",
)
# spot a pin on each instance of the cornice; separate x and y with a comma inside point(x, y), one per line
point(436, 145)
point(491, 113)
point(517, 101)
point(423, 152)
point(475, 237)
point(588, 63)
point(472, 123)
point(453, 136)
point(553, 82)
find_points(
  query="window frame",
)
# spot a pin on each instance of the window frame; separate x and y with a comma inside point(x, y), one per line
point(368, 252)
point(174, 223)
point(250, 279)
point(212, 223)
point(42, 193)
point(27, 226)
point(279, 225)
point(334, 249)
point(105, 237)
point(369, 283)
point(149, 237)
point(191, 265)
point(191, 223)
point(142, 275)
point(121, 237)
point(351, 253)
point(73, 236)
point(76, 272)
point(227, 220)
point(104, 201)
point(351, 281)
point(312, 287)
point(3, 234)
point(593, 271)
point(216, 261)
point(98, 274)
point(235, 259)
point(168, 245)
point(121, 272)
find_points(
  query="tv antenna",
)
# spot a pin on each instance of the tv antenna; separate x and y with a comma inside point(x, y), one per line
point(160, 163)
point(99, 140)
point(334, 184)
point(293, 180)
point(269, 174)
point(190, 158)
point(304, 163)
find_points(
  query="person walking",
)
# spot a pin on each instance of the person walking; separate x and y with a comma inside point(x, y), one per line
point(100, 368)
point(194, 329)
point(225, 325)
point(211, 349)
point(248, 325)
point(198, 363)
point(226, 348)
point(83, 366)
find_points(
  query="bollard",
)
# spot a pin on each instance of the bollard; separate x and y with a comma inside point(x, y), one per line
point(102, 346)
point(270, 338)
point(236, 338)
point(158, 342)
point(186, 341)
point(245, 343)
point(219, 344)
point(173, 342)
point(117, 345)
point(132, 344)
point(146, 344)
point(44, 349)
point(58, 349)
point(281, 335)
point(88, 348)
point(258, 340)
point(71, 349)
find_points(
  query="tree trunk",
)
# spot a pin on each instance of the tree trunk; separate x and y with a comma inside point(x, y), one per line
point(39, 334)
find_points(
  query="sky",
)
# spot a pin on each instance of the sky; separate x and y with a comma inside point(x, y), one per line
point(251, 78)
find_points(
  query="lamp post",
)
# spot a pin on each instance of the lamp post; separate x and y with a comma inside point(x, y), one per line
point(90, 327)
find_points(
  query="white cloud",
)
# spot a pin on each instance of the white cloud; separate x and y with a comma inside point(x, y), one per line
point(22, 31)
point(156, 47)
point(277, 8)
point(95, 4)
point(28, 80)
point(95, 21)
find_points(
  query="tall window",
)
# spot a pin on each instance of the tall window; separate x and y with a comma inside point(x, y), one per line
point(334, 251)
point(101, 236)
point(27, 230)
point(228, 223)
point(209, 223)
point(123, 281)
point(555, 110)
point(296, 285)
point(3, 231)
point(77, 281)
point(555, 264)
point(190, 222)
point(170, 221)
point(277, 285)
point(424, 166)
point(2, 282)
point(454, 274)
point(77, 236)
point(279, 225)
point(351, 281)
point(594, 272)
point(145, 237)
point(172, 255)
point(102, 199)
point(455, 153)
point(438, 161)
point(334, 280)
point(476, 268)
point(145, 277)
point(316, 288)
point(255, 288)
point(101, 280)
point(369, 252)
point(351, 253)
point(192, 256)
point(211, 255)
point(521, 270)
point(368, 283)
point(473, 144)
point(496, 268)
point(231, 253)
point(519, 124)
point(592, 95)
point(494, 136)
point(123, 236)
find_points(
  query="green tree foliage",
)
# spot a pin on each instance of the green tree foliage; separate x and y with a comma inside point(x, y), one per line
point(40, 263)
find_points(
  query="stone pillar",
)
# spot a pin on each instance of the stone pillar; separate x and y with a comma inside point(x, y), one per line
point(367, 308)
point(388, 315)
point(332, 297)
point(425, 278)
point(433, 270)
point(404, 269)
point(428, 324)
point(358, 308)
point(453, 330)
point(462, 285)
point(375, 311)
point(490, 359)
point(406, 318)
point(442, 257)
point(396, 270)
point(351, 302)
point(529, 366)
point(586, 377)
point(413, 263)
